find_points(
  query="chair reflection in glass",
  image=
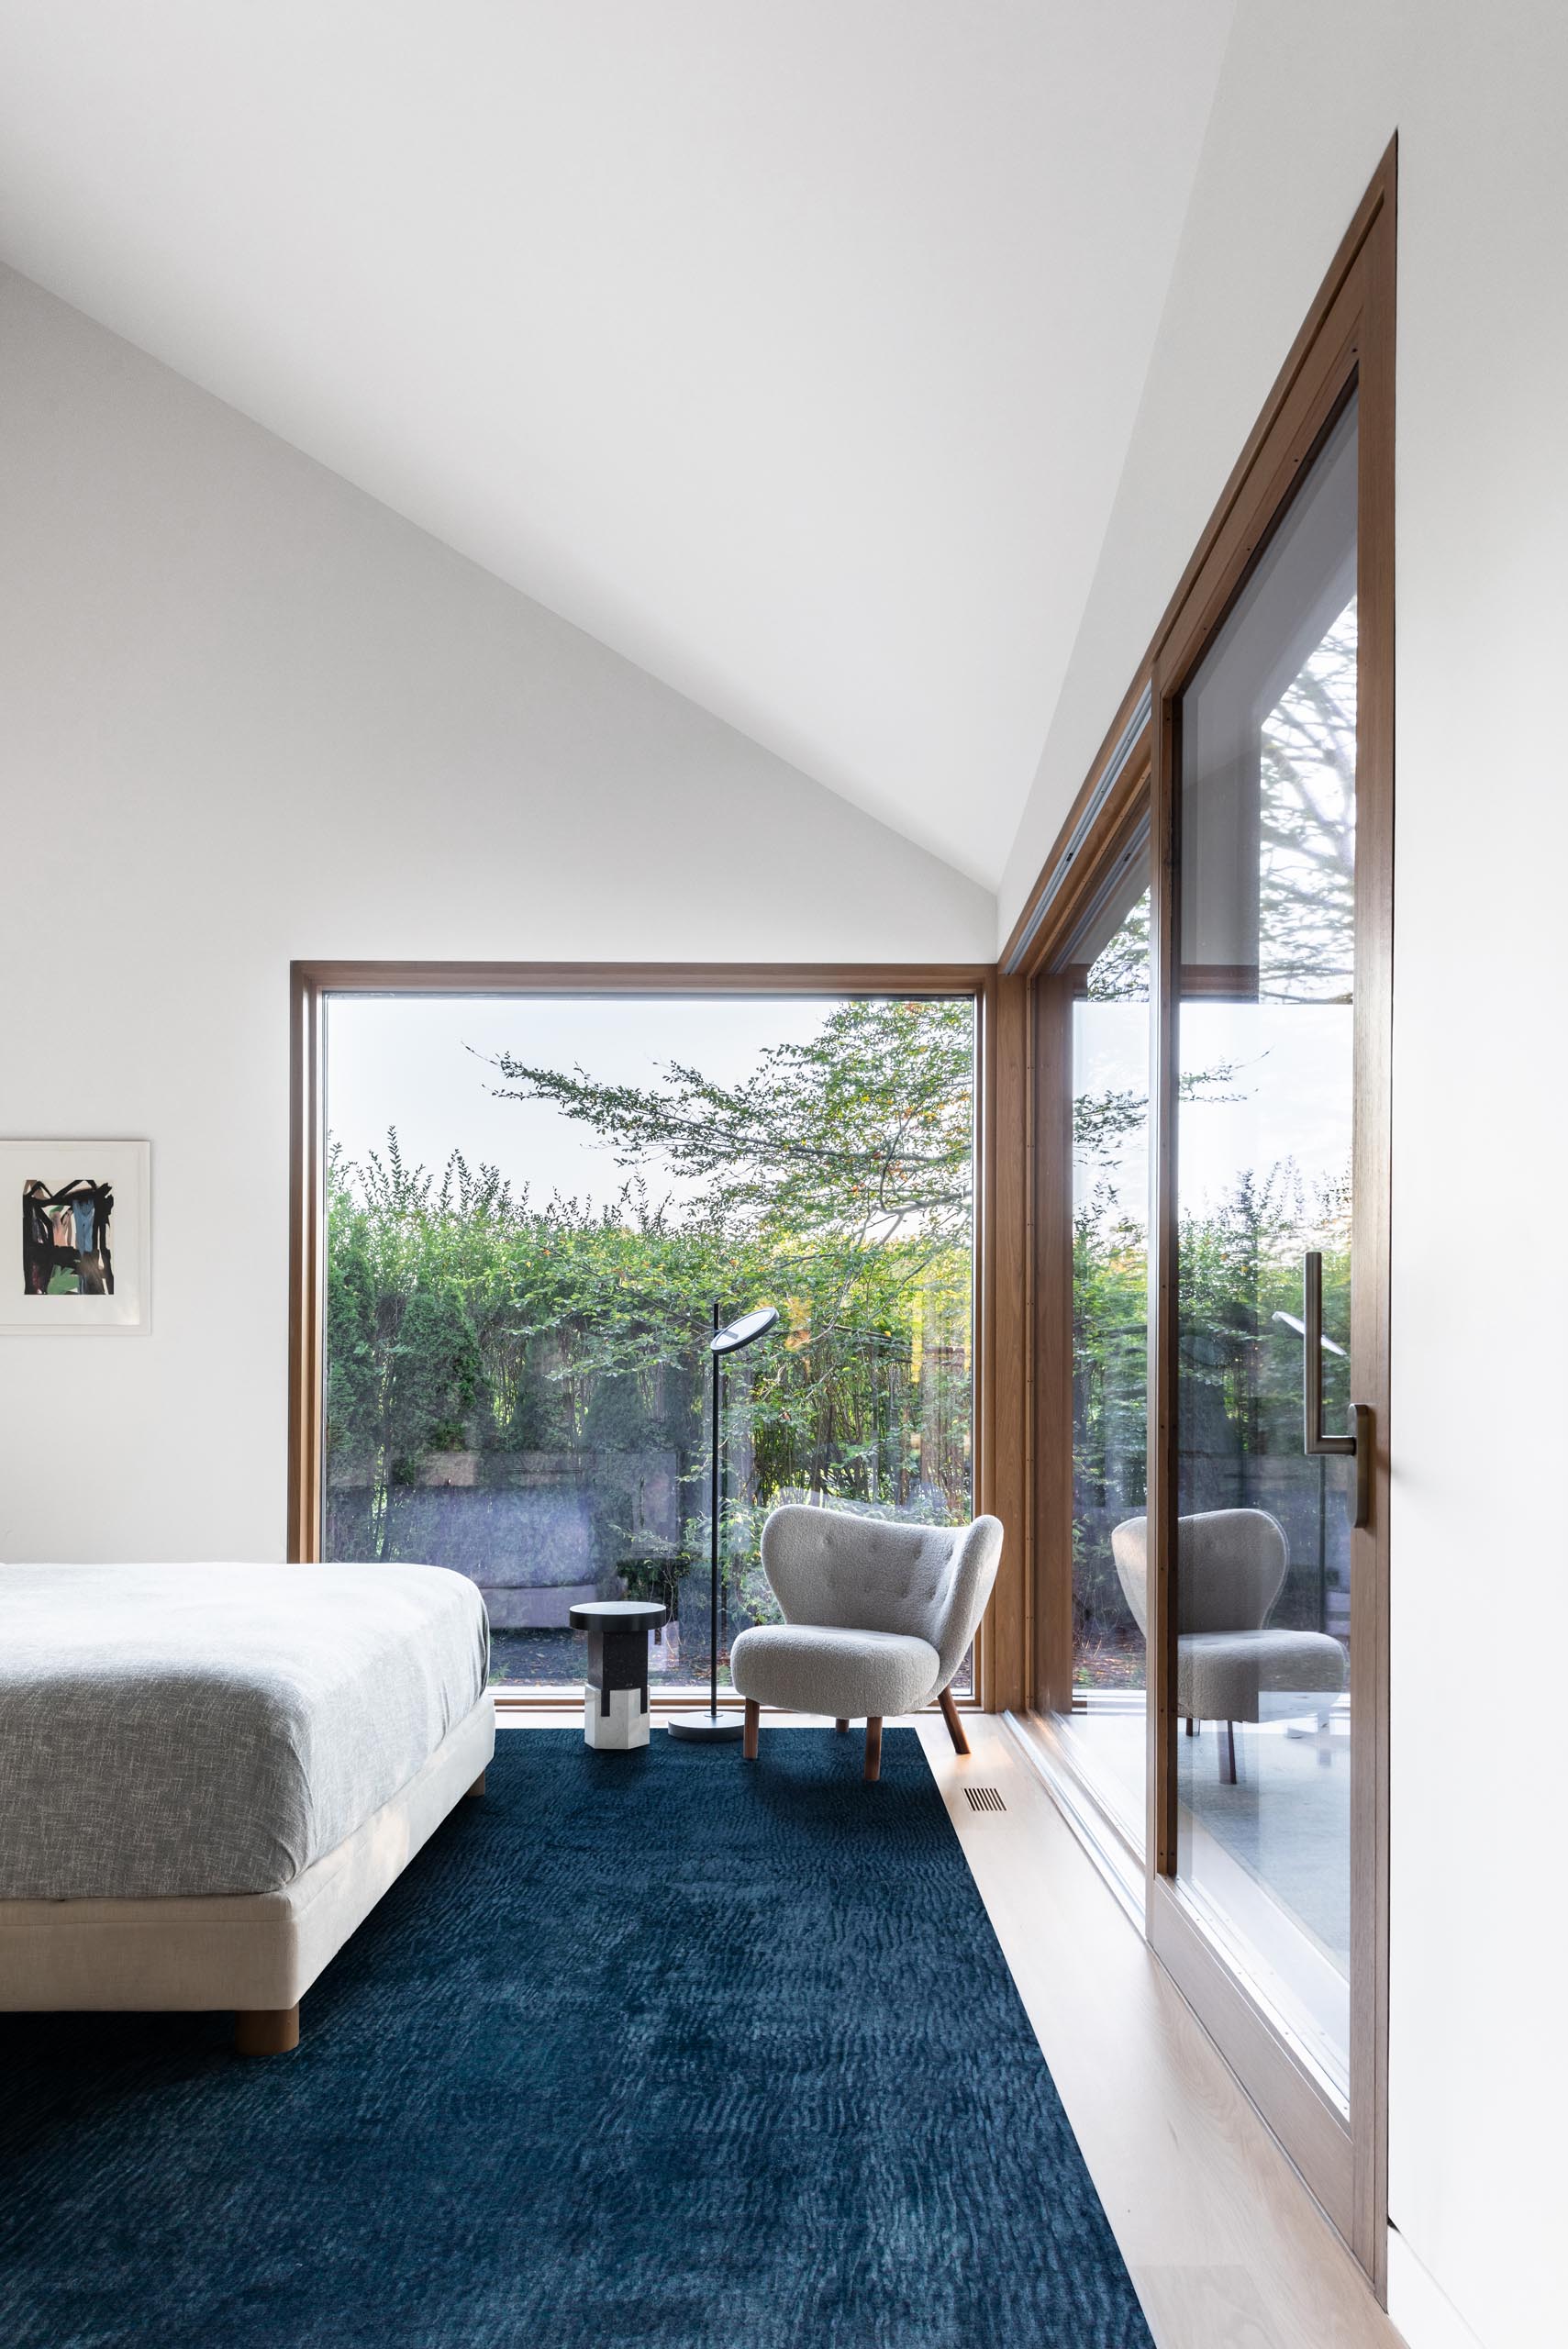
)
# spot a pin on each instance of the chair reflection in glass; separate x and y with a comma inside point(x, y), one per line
point(1231, 1566)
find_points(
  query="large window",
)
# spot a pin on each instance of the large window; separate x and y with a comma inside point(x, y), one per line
point(533, 1204)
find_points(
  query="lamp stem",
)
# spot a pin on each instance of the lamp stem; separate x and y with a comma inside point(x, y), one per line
point(713, 1540)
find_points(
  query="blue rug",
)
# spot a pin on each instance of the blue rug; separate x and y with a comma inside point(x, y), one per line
point(643, 2052)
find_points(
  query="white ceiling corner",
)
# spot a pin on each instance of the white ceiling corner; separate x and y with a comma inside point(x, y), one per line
point(792, 350)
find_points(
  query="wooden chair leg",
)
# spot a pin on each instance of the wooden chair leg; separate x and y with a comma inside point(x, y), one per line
point(478, 1785)
point(1228, 1757)
point(841, 1727)
point(266, 2030)
point(955, 1726)
point(749, 1736)
point(874, 1749)
point(1192, 1726)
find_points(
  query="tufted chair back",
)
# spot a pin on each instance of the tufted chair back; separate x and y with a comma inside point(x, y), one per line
point(1229, 1565)
point(871, 1574)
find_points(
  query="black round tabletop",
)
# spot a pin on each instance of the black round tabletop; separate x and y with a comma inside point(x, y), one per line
point(629, 1614)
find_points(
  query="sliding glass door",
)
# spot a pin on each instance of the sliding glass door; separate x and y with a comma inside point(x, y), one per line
point(1264, 1544)
point(1209, 980)
point(1264, 1148)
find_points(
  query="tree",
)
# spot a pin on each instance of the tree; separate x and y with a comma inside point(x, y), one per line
point(1306, 845)
point(840, 1175)
point(860, 1135)
point(836, 1182)
point(404, 1369)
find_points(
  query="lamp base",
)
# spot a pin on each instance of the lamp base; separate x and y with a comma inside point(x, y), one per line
point(706, 1728)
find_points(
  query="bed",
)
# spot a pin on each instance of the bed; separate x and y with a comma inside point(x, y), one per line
point(211, 1774)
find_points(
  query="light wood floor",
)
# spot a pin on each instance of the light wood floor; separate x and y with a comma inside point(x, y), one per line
point(1224, 2244)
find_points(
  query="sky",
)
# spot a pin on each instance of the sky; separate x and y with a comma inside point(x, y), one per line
point(1293, 1074)
point(420, 1063)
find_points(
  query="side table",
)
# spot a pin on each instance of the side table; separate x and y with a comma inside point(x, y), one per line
point(615, 1705)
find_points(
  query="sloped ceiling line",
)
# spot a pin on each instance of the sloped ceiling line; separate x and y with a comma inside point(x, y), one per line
point(791, 352)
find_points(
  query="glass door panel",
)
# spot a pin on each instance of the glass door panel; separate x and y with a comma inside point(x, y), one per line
point(1264, 1125)
point(1105, 1722)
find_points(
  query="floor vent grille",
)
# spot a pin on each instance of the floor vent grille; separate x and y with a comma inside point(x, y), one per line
point(984, 1798)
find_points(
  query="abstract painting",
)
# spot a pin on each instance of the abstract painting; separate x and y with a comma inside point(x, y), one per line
point(81, 1210)
point(66, 1239)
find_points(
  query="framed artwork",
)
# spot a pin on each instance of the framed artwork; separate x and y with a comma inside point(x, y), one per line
point(78, 1213)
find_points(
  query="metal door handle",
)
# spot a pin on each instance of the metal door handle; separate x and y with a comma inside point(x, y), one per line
point(1358, 1444)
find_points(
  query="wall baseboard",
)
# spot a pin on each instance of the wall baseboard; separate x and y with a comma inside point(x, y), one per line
point(1418, 2307)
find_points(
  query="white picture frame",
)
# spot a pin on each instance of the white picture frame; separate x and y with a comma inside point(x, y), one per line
point(55, 1196)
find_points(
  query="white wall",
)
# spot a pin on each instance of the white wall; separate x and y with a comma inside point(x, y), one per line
point(247, 714)
point(1306, 103)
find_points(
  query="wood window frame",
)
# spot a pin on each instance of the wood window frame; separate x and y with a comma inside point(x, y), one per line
point(1347, 340)
point(1347, 345)
point(1110, 810)
point(311, 983)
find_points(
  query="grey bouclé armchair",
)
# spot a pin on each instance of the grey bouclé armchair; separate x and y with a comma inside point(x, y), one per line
point(878, 1616)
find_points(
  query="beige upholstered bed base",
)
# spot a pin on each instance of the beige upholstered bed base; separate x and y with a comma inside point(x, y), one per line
point(257, 1953)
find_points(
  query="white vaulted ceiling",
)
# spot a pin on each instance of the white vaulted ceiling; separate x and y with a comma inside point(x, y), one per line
point(790, 349)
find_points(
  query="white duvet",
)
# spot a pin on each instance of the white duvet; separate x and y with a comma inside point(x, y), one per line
point(215, 1729)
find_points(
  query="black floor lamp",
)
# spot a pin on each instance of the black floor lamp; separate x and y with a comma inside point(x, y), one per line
point(712, 1724)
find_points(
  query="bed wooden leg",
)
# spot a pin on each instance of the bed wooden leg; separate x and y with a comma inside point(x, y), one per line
point(478, 1785)
point(266, 2030)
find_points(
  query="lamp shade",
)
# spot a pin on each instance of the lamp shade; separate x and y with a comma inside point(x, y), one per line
point(736, 1334)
